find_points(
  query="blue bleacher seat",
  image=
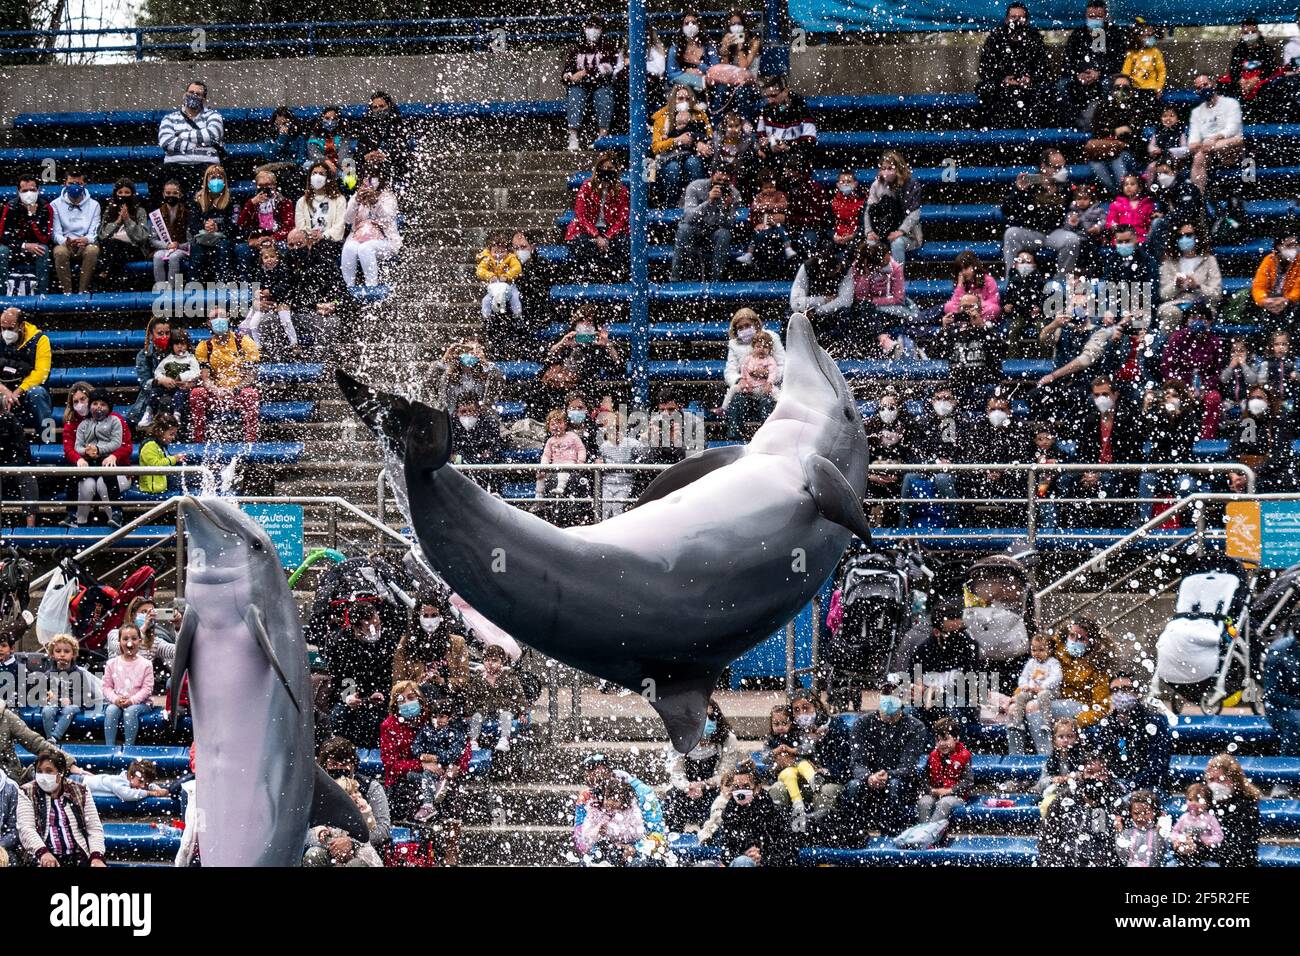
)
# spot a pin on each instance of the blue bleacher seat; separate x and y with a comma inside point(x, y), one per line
point(281, 452)
point(93, 723)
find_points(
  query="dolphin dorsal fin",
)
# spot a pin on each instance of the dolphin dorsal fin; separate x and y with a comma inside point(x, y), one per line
point(253, 621)
point(687, 470)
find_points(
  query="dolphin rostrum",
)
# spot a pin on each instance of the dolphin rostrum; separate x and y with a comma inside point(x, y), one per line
point(720, 550)
point(258, 785)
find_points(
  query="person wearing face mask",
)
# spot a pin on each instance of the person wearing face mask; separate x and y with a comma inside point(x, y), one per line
point(1214, 132)
point(1252, 52)
point(1127, 262)
point(583, 355)
point(694, 778)
point(212, 228)
point(465, 372)
point(1013, 71)
point(1108, 432)
point(320, 211)
point(1022, 302)
point(99, 443)
point(76, 231)
point(709, 217)
point(1035, 212)
point(1256, 439)
point(58, 825)
point(124, 234)
point(1094, 52)
point(359, 655)
point(589, 71)
point(1189, 273)
point(338, 758)
point(1194, 357)
point(749, 828)
point(433, 653)
point(681, 147)
point(266, 217)
point(286, 146)
point(1145, 66)
point(228, 362)
point(476, 439)
point(25, 360)
point(691, 55)
point(887, 747)
point(517, 339)
point(1236, 804)
point(731, 82)
point(995, 438)
point(745, 324)
point(941, 439)
point(169, 231)
point(191, 139)
point(1083, 650)
point(326, 143)
point(26, 237)
point(892, 214)
point(406, 717)
point(597, 235)
point(1275, 289)
point(889, 437)
point(382, 144)
point(1134, 739)
point(1172, 422)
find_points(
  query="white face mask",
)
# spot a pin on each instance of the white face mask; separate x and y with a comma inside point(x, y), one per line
point(691, 31)
point(1173, 405)
point(1166, 180)
point(10, 336)
point(523, 255)
point(1104, 403)
point(317, 180)
point(1025, 268)
point(370, 635)
point(468, 422)
point(888, 415)
point(943, 409)
point(49, 782)
point(592, 34)
point(1062, 175)
point(998, 418)
point(746, 335)
point(1288, 253)
point(1221, 791)
point(430, 624)
point(81, 408)
point(29, 196)
point(1257, 406)
point(847, 188)
point(805, 720)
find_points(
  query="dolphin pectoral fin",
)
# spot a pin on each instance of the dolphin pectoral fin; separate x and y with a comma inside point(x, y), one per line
point(682, 706)
point(253, 621)
point(688, 469)
point(331, 807)
point(835, 498)
point(181, 662)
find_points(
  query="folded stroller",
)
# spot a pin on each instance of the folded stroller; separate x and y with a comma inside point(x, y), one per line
point(1203, 655)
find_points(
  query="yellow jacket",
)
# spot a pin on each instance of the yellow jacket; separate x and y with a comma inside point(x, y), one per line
point(491, 269)
point(662, 131)
point(1266, 275)
point(38, 353)
point(1146, 68)
point(1084, 679)
point(153, 454)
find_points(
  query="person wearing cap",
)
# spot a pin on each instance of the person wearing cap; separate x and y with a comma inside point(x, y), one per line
point(590, 67)
point(887, 748)
point(99, 443)
point(944, 664)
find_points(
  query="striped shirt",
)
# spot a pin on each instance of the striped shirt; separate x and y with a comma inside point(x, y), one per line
point(58, 831)
point(184, 144)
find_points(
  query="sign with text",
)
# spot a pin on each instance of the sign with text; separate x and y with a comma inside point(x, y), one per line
point(1241, 531)
point(283, 525)
point(1279, 532)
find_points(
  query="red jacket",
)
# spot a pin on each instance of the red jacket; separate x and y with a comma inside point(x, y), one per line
point(18, 226)
point(848, 213)
point(70, 423)
point(587, 208)
point(248, 219)
point(946, 772)
point(395, 738)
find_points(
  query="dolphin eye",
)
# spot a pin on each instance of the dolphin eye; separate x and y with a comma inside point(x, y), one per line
point(848, 413)
point(257, 545)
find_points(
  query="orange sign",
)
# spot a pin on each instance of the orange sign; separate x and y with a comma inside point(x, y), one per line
point(1241, 526)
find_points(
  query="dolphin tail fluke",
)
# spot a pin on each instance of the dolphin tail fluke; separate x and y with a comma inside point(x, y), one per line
point(411, 428)
point(682, 705)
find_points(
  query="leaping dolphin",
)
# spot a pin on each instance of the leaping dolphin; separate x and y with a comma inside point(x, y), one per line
point(721, 549)
point(258, 785)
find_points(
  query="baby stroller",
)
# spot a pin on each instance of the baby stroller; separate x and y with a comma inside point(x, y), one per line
point(999, 614)
point(16, 574)
point(1274, 612)
point(1204, 655)
point(99, 608)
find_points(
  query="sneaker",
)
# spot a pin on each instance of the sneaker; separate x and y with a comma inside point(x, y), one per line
point(798, 818)
point(573, 141)
point(790, 253)
point(71, 522)
point(503, 745)
point(745, 258)
point(440, 790)
point(115, 518)
point(146, 419)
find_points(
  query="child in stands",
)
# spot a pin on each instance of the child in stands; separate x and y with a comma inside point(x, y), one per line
point(173, 378)
point(128, 685)
point(132, 785)
point(949, 778)
point(495, 691)
point(1039, 680)
point(69, 689)
point(1144, 841)
point(1197, 831)
point(499, 268)
point(153, 453)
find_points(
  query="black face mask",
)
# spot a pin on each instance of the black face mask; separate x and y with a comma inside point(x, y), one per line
point(297, 257)
point(171, 200)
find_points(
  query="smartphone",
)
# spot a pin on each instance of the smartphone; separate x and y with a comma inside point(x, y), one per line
point(1035, 179)
point(166, 614)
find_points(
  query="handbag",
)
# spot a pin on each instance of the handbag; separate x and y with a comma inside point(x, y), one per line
point(1101, 150)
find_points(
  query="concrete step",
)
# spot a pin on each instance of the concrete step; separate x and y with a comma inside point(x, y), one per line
point(518, 846)
point(535, 804)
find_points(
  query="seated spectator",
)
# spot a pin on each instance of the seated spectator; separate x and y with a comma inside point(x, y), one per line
point(598, 233)
point(101, 443)
point(191, 140)
point(266, 217)
point(75, 412)
point(157, 638)
point(770, 241)
point(1086, 218)
point(1197, 834)
point(499, 268)
point(274, 298)
point(890, 434)
point(1128, 267)
point(694, 778)
point(433, 654)
point(58, 824)
point(808, 216)
point(1110, 431)
point(1236, 805)
point(1132, 207)
point(321, 211)
point(1275, 289)
point(1252, 52)
point(583, 355)
point(131, 785)
point(1257, 438)
point(1116, 127)
point(750, 828)
point(153, 453)
point(1214, 133)
point(1167, 145)
point(1035, 213)
point(731, 82)
point(128, 687)
point(1189, 274)
point(476, 435)
point(798, 781)
point(735, 152)
point(1022, 303)
point(26, 238)
point(465, 372)
point(338, 758)
point(360, 659)
point(589, 71)
point(1013, 63)
point(949, 781)
point(681, 142)
point(15, 453)
point(228, 378)
point(175, 375)
point(1083, 650)
point(286, 148)
point(69, 688)
point(1082, 345)
point(319, 302)
point(879, 299)
point(847, 208)
point(1039, 681)
point(495, 693)
point(822, 288)
point(1134, 739)
point(617, 445)
point(1144, 65)
point(943, 661)
point(1145, 840)
point(169, 235)
point(973, 348)
point(756, 390)
point(893, 210)
point(1049, 484)
point(327, 145)
point(25, 360)
point(690, 56)
point(1063, 764)
point(1172, 423)
point(887, 749)
point(974, 278)
point(704, 233)
point(76, 232)
point(442, 749)
point(1194, 356)
point(613, 830)
point(1081, 819)
point(1277, 370)
point(745, 327)
point(785, 128)
point(596, 774)
point(212, 228)
point(382, 146)
point(563, 447)
point(1094, 52)
point(942, 438)
point(897, 346)
point(405, 719)
point(515, 337)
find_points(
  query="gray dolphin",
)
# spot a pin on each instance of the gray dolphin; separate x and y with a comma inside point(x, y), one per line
point(258, 785)
point(720, 550)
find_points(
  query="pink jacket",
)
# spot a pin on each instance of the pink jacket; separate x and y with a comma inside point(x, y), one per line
point(990, 300)
point(568, 449)
point(130, 679)
point(884, 286)
point(1131, 212)
point(751, 377)
point(626, 826)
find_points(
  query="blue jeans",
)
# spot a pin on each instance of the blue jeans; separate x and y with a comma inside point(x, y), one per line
point(693, 243)
point(675, 174)
point(601, 99)
point(1039, 726)
point(37, 410)
point(890, 809)
point(57, 720)
point(15, 261)
point(1287, 724)
point(1111, 172)
point(113, 716)
point(743, 860)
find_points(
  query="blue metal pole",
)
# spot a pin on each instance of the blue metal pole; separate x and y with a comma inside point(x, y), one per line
point(637, 147)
